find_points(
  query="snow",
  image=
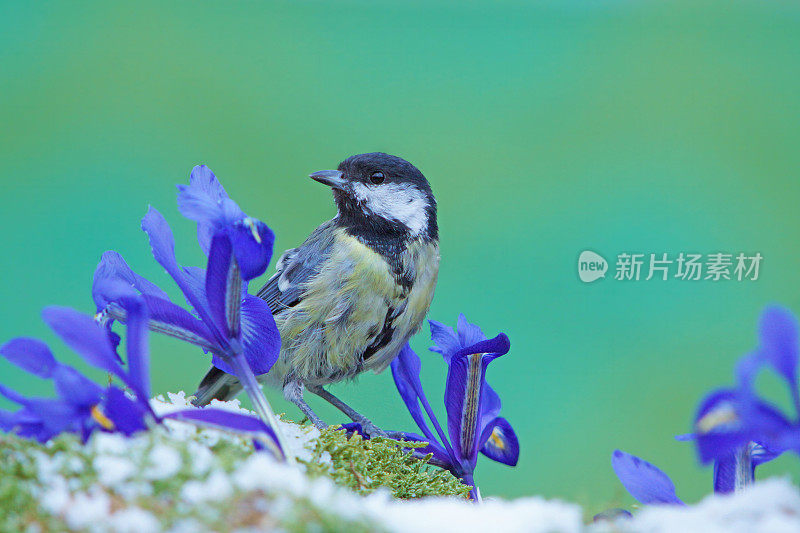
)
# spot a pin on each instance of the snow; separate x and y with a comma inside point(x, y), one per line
point(296, 436)
point(216, 487)
point(532, 515)
point(134, 520)
point(259, 472)
point(770, 506)
point(87, 509)
point(164, 462)
point(181, 455)
point(202, 458)
point(112, 470)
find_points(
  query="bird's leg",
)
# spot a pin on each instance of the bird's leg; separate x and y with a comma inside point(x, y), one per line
point(366, 424)
point(293, 391)
point(371, 429)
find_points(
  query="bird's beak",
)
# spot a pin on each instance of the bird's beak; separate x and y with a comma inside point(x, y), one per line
point(331, 178)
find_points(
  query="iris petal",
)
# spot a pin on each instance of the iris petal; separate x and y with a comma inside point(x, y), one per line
point(56, 415)
point(445, 340)
point(12, 395)
point(643, 481)
point(222, 419)
point(169, 319)
point(726, 421)
point(201, 201)
point(488, 414)
point(205, 201)
point(778, 332)
point(252, 243)
point(405, 371)
point(127, 415)
point(138, 349)
point(223, 287)
point(81, 333)
point(112, 267)
point(227, 420)
point(468, 333)
point(469, 406)
point(260, 336)
point(31, 355)
point(25, 424)
point(502, 444)
point(163, 247)
point(465, 400)
point(496, 347)
point(433, 447)
point(75, 388)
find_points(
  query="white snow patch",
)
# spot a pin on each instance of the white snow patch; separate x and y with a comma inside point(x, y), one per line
point(770, 506)
point(260, 472)
point(187, 525)
point(110, 443)
point(444, 515)
point(297, 437)
point(113, 470)
point(134, 520)
point(201, 458)
point(216, 487)
point(56, 496)
point(87, 509)
point(164, 462)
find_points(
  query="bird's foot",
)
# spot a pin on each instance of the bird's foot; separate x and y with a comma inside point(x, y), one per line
point(371, 430)
point(319, 424)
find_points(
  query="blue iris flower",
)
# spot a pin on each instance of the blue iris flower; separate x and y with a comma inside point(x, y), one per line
point(734, 428)
point(235, 327)
point(651, 486)
point(226, 320)
point(473, 407)
point(737, 429)
point(644, 481)
point(82, 406)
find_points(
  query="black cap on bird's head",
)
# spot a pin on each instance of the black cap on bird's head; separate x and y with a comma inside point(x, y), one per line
point(383, 193)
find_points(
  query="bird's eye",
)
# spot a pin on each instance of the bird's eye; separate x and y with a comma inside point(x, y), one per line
point(376, 178)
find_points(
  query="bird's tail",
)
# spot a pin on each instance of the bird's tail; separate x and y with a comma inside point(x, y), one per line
point(216, 385)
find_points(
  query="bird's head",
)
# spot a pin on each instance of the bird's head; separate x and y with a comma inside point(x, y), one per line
point(383, 192)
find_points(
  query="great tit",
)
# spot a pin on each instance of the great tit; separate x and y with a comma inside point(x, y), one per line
point(356, 290)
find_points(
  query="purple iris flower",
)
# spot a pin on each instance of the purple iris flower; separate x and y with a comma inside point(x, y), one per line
point(235, 327)
point(226, 319)
point(82, 406)
point(738, 430)
point(644, 481)
point(733, 427)
point(650, 486)
point(473, 407)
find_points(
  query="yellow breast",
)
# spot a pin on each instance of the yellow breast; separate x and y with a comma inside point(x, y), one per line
point(345, 306)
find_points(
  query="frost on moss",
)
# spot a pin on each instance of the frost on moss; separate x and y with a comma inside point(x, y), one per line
point(364, 465)
point(180, 477)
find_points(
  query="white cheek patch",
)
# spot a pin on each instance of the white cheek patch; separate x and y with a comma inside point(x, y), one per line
point(394, 201)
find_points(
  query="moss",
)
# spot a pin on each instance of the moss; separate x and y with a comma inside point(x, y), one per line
point(19, 507)
point(365, 465)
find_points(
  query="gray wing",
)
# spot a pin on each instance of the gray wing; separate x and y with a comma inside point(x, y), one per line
point(295, 267)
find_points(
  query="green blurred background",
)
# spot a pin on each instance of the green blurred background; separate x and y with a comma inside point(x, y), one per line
point(545, 130)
